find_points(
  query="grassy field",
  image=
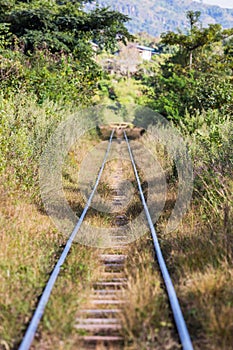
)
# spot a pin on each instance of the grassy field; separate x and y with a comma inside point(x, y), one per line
point(198, 253)
point(31, 244)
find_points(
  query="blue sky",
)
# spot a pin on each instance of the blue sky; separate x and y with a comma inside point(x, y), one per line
point(222, 3)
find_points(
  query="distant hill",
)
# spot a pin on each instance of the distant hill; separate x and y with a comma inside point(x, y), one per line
point(157, 16)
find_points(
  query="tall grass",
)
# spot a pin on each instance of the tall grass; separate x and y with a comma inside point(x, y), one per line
point(146, 317)
point(30, 244)
point(198, 253)
point(25, 128)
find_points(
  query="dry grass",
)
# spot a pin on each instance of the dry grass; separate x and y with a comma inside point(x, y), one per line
point(209, 296)
point(203, 276)
point(29, 247)
point(146, 318)
point(198, 255)
point(199, 258)
point(71, 290)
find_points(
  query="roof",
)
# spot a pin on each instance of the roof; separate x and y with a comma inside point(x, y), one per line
point(145, 48)
point(94, 44)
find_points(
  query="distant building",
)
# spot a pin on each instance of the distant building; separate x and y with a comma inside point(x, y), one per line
point(127, 59)
point(142, 52)
point(94, 47)
point(145, 52)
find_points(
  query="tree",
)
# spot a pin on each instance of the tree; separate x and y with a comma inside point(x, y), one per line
point(193, 18)
point(197, 76)
point(196, 39)
point(46, 47)
point(63, 25)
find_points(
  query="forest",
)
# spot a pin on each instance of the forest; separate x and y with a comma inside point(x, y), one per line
point(48, 71)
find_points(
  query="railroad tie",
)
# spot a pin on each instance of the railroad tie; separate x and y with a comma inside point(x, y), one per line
point(99, 326)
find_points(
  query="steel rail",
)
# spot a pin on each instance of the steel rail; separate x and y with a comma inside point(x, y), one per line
point(175, 306)
point(31, 330)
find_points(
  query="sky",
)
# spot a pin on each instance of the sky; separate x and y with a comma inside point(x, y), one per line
point(222, 3)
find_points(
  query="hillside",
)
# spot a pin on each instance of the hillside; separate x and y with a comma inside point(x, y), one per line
point(157, 16)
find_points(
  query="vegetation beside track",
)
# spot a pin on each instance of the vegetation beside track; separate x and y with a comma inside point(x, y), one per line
point(198, 102)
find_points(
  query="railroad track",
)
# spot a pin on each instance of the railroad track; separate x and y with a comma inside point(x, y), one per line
point(100, 320)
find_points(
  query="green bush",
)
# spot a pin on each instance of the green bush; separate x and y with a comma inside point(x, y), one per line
point(210, 136)
point(54, 77)
point(25, 128)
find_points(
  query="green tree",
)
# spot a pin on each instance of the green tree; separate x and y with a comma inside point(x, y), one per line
point(195, 40)
point(63, 25)
point(193, 18)
point(46, 47)
point(197, 76)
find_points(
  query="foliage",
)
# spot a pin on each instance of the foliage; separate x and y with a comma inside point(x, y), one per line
point(25, 128)
point(196, 77)
point(210, 136)
point(195, 39)
point(45, 48)
point(63, 26)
